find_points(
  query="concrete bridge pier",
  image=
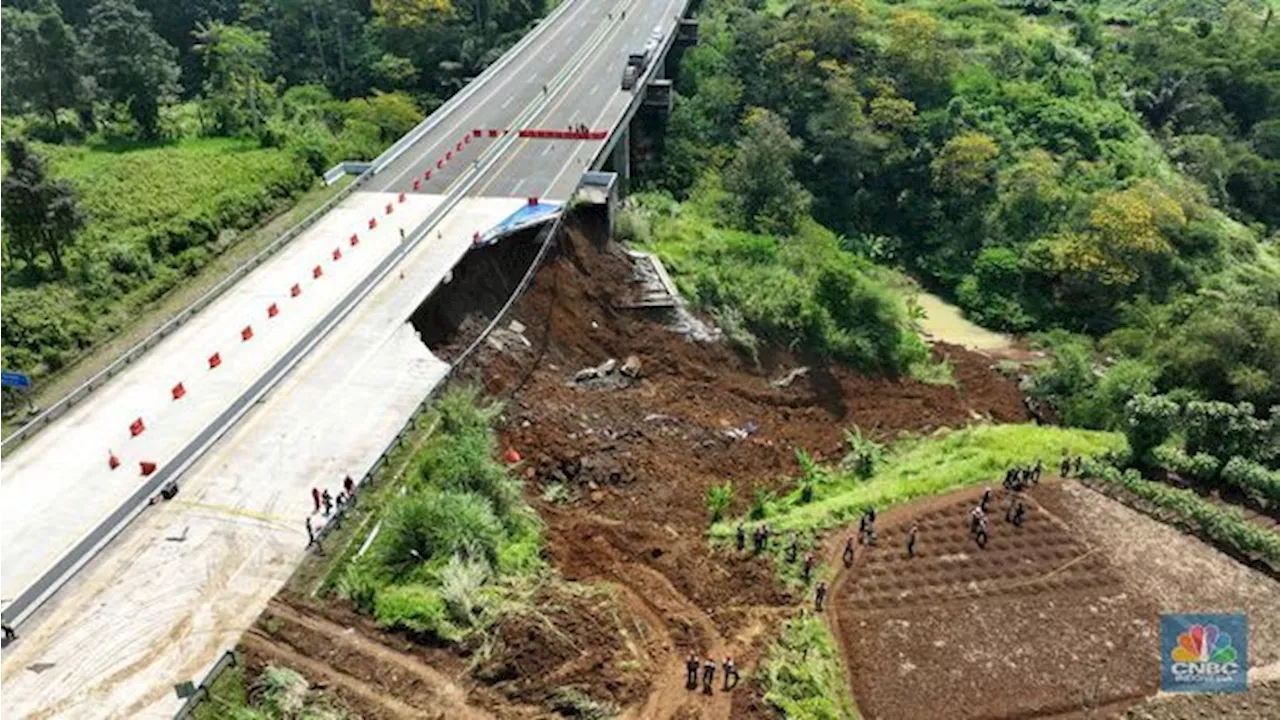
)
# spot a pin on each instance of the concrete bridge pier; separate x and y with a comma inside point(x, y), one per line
point(620, 161)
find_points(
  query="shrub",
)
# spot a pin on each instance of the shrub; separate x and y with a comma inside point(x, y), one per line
point(1259, 483)
point(802, 673)
point(416, 608)
point(719, 498)
point(864, 453)
point(431, 526)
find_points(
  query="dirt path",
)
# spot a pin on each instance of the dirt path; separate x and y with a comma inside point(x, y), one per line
point(449, 697)
point(368, 698)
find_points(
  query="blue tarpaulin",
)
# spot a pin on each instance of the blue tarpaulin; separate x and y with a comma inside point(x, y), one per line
point(526, 217)
point(13, 379)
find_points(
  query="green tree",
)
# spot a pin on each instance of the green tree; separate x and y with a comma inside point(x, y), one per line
point(41, 60)
point(1148, 420)
point(765, 193)
point(130, 62)
point(236, 61)
point(41, 215)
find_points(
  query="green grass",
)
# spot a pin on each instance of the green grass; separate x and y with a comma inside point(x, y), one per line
point(920, 467)
point(803, 675)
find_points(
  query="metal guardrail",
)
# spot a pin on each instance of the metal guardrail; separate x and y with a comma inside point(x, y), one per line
point(188, 708)
point(389, 155)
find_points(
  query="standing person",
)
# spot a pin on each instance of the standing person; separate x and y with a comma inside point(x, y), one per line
point(819, 596)
point(981, 534)
point(10, 635)
point(1064, 468)
point(691, 671)
point(848, 552)
point(311, 533)
point(328, 501)
point(808, 568)
point(1019, 513)
point(1078, 464)
point(1035, 472)
point(757, 539)
point(349, 485)
point(986, 499)
point(730, 670)
point(911, 539)
point(976, 516)
point(741, 537)
point(708, 675)
point(315, 498)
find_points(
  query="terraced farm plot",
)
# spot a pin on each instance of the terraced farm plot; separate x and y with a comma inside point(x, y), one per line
point(1035, 623)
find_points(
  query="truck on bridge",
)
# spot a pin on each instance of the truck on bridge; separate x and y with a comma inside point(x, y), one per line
point(637, 63)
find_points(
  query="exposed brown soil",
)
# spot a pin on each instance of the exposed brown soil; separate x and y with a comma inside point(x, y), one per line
point(1036, 623)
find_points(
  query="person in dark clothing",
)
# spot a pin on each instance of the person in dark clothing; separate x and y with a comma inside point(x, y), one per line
point(808, 568)
point(981, 533)
point(1019, 513)
point(986, 499)
point(741, 537)
point(1079, 463)
point(1064, 468)
point(757, 540)
point(315, 498)
point(311, 533)
point(819, 596)
point(708, 675)
point(911, 539)
point(1035, 472)
point(691, 671)
point(349, 486)
point(10, 635)
point(848, 553)
point(328, 501)
point(730, 671)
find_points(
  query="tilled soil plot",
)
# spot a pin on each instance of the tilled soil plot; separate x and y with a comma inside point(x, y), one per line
point(1036, 623)
point(635, 455)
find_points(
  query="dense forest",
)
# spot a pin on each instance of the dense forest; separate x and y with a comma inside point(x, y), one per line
point(1102, 175)
point(145, 137)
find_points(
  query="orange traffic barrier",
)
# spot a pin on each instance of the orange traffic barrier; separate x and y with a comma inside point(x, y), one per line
point(401, 197)
point(466, 139)
point(458, 147)
point(147, 467)
point(247, 333)
point(273, 310)
point(511, 456)
point(373, 223)
point(533, 200)
point(178, 391)
point(216, 359)
point(390, 209)
point(427, 175)
point(355, 239)
point(448, 155)
point(417, 184)
point(439, 164)
point(316, 272)
point(337, 254)
point(113, 462)
point(493, 133)
point(295, 291)
point(136, 427)
point(477, 132)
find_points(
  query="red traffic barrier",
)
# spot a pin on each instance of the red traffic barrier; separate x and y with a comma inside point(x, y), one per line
point(478, 132)
point(417, 184)
point(439, 164)
point(178, 391)
point(427, 175)
point(373, 223)
point(316, 272)
point(401, 197)
point(533, 200)
point(511, 456)
point(136, 427)
point(448, 155)
point(113, 462)
point(295, 291)
point(466, 139)
point(458, 147)
point(337, 254)
point(493, 133)
point(247, 333)
point(390, 209)
point(216, 359)
point(147, 467)
point(355, 239)
point(273, 310)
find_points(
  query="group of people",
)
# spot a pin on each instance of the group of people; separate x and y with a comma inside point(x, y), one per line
point(580, 128)
point(709, 673)
point(760, 540)
point(323, 502)
point(1019, 478)
point(1015, 513)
